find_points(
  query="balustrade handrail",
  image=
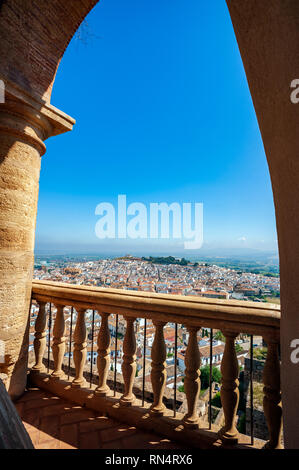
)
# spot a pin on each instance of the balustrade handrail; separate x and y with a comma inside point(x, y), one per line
point(246, 316)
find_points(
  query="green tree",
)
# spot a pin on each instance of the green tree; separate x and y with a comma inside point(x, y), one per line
point(219, 336)
point(238, 348)
point(181, 388)
point(260, 354)
point(205, 376)
point(216, 401)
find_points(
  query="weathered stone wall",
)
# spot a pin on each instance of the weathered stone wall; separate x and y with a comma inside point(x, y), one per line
point(257, 370)
point(260, 429)
point(268, 38)
point(33, 38)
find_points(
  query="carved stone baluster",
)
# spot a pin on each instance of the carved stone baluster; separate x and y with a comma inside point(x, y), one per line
point(40, 338)
point(58, 346)
point(230, 388)
point(103, 359)
point(192, 378)
point(80, 348)
point(158, 372)
point(272, 395)
point(129, 363)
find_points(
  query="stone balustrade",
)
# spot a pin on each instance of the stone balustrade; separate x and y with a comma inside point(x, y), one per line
point(231, 317)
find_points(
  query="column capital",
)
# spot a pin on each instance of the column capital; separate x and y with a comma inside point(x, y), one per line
point(30, 119)
point(159, 323)
point(230, 334)
point(129, 319)
point(193, 328)
point(272, 338)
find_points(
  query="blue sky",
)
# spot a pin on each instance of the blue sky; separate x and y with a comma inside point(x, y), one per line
point(164, 114)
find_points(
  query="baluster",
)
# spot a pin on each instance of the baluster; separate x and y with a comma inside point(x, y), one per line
point(58, 345)
point(40, 338)
point(80, 348)
point(103, 359)
point(192, 378)
point(129, 363)
point(158, 372)
point(272, 395)
point(229, 388)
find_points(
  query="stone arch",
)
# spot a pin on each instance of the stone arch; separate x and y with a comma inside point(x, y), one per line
point(32, 43)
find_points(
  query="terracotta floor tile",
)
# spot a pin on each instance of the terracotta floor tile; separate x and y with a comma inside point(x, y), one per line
point(19, 407)
point(50, 425)
point(113, 445)
point(118, 432)
point(54, 423)
point(32, 395)
point(142, 440)
point(57, 409)
point(50, 444)
point(75, 416)
point(64, 445)
point(45, 436)
point(38, 403)
point(69, 434)
point(89, 440)
point(31, 417)
point(34, 436)
point(97, 423)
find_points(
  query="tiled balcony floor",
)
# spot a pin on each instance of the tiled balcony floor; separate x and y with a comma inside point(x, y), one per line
point(54, 423)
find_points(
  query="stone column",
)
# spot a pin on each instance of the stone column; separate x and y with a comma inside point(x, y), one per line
point(40, 340)
point(229, 389)
point(129, 363)
point(103, 359)
point(272, 395)
point(24, 125)
point(158, 372)
point(192, 378)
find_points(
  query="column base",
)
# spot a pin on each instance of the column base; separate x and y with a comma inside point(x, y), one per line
point(271, 446)
point(157, 411)
point(228, 437)
point(100, 392)
point(78, 384)
point(127, 401)
point(190, 423)
point(59, 375)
